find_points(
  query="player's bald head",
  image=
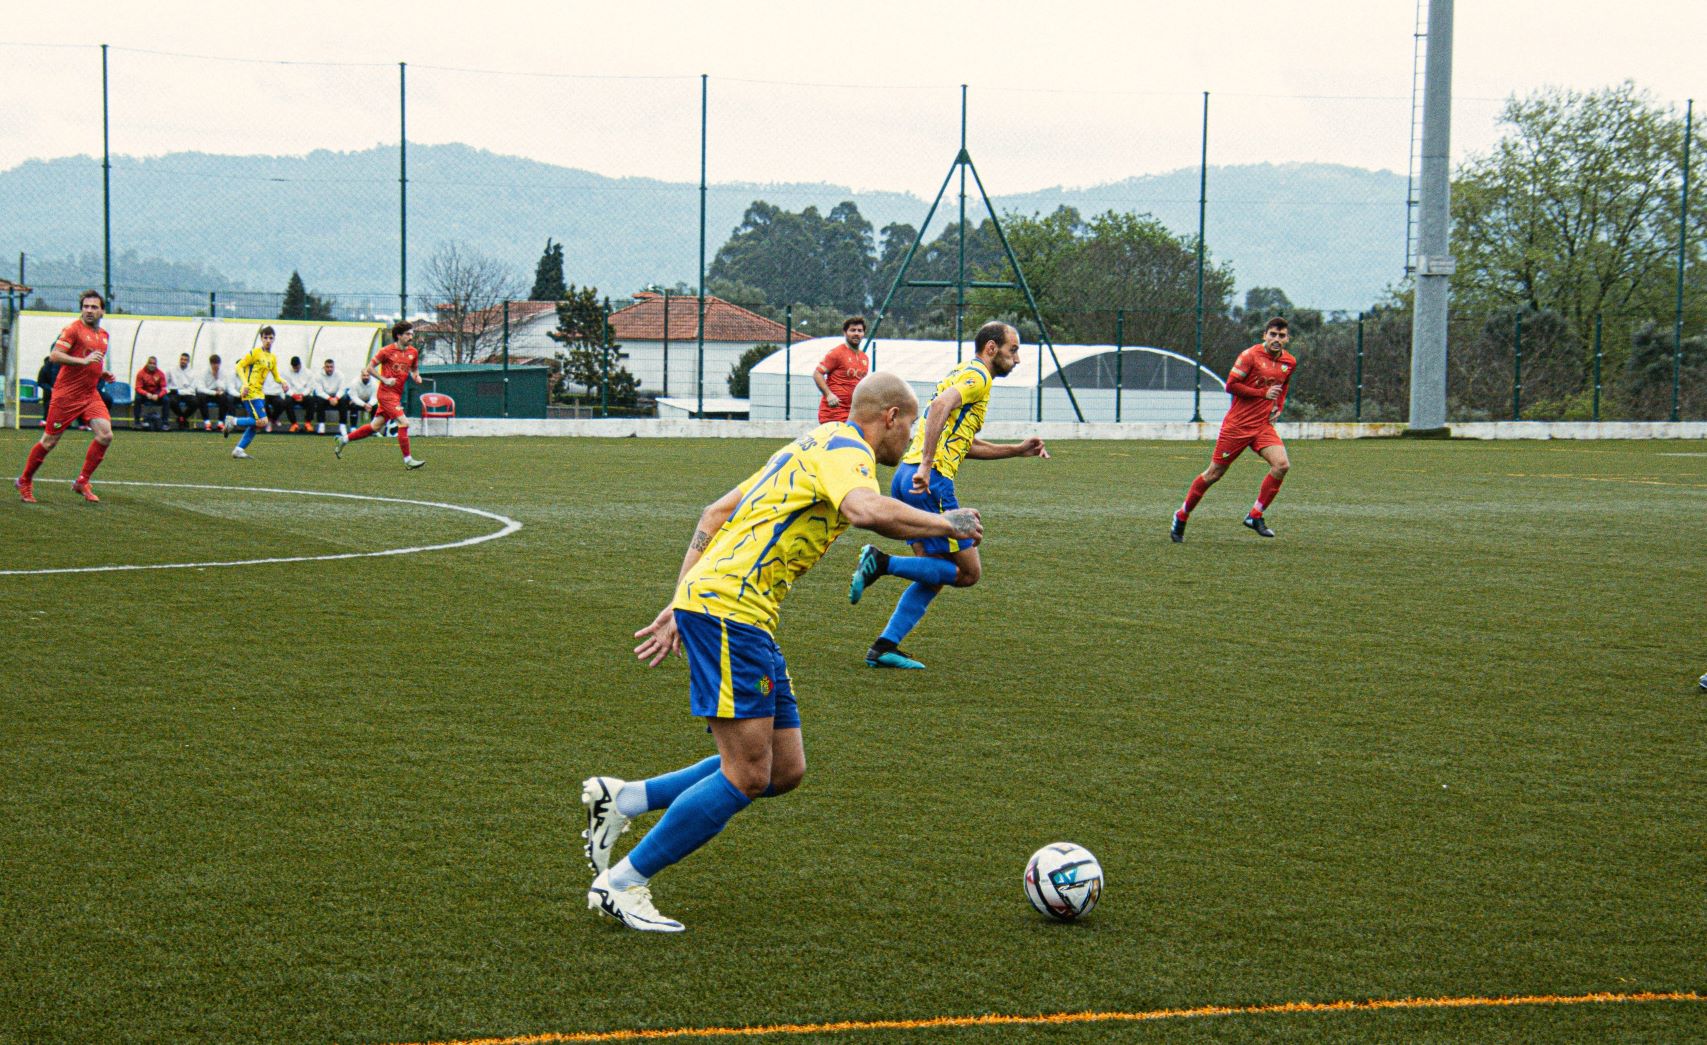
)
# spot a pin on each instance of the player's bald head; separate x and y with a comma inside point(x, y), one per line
point(884, 407)
point(877, 392)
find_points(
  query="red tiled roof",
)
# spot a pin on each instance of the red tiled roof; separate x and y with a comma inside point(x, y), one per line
point(8, 287)
point(644, 321)
point(519, 311)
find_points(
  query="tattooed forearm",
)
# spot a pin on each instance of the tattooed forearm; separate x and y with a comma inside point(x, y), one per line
point(700, 540)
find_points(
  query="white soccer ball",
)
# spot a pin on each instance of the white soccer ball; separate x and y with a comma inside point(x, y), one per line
point(1063, 881)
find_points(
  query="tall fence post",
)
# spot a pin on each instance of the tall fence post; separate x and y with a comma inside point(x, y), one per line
point(106, 188)
point(213, 304)
point(604, 381)
point(1202, 209)
point(666, 390)
point(1517, 371)
point(1597, 319)
point(1119, 357)
point(787, 363)
point(699, 379)
point(1040, 382)
point(1357, 393)
point(506, 357)
point(1682, 240)
point(402, 190)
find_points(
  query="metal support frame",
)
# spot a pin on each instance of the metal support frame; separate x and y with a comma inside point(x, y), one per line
point(963, 165)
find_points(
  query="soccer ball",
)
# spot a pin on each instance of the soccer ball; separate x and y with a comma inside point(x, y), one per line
point(1063, 881)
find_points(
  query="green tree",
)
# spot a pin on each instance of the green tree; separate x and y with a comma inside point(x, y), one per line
point(802, 259)
point(590, 358)
point(1574, 211)
point(1082, 271)
point(740, 375)
point(548, 284)
point(300, 304)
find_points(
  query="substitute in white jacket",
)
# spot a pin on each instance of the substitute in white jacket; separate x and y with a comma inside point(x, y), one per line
point(181, 390)
point(326, 396)
point(216, 392)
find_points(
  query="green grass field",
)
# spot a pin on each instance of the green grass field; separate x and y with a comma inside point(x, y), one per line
point(1442, 738)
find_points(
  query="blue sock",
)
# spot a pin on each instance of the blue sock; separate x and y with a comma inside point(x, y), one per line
point(248, 434)
point(690, 822)
point(923, 568)
point(914, 601)
point(663, 790)
point(244, 422)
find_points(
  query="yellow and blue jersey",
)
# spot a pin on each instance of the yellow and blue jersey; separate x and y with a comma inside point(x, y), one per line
point(253, 369)
point(972, 378)
point(788, 515)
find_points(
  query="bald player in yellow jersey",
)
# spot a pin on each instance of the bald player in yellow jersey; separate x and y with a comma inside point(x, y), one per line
point(945, 436)
point(750, 547)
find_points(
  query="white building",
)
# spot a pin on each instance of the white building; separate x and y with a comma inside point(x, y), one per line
point(1136, 383)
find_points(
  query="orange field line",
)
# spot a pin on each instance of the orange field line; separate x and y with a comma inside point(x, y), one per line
point(1281, 1008)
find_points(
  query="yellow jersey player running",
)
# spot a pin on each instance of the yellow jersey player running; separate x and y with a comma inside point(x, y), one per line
point(253, 369)
point(749, 548)
point(946, 435)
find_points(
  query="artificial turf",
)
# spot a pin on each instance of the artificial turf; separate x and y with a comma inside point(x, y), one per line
point(1440, 738)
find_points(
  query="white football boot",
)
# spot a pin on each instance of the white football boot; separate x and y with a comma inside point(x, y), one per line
point(604, 822)
point(632, 906)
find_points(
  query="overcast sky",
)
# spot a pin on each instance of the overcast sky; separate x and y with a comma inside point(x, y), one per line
point(1070, 93)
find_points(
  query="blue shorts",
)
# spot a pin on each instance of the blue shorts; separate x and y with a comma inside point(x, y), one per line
point(939, 498)
point(257, 408)
point(735, 670)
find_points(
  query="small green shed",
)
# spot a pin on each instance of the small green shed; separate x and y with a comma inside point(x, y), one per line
point(486, 390)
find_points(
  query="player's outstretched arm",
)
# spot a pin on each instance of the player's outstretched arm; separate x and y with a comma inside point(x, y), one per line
point(1032, 446)
point(872, 511)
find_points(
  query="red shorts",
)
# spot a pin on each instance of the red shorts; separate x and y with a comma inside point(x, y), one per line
point(390, 410)
point(1229, 445)
point(64, 411)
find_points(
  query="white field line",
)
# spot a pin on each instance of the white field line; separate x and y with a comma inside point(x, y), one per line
point(509, 526)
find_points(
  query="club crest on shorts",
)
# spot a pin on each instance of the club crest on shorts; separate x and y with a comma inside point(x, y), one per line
point(764, 685)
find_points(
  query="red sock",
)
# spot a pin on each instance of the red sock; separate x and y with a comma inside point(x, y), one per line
point(403, 440)
point(1265, 493)
point(1198, 488)
point(361, 433)
point(38, 454)
point(92, 460)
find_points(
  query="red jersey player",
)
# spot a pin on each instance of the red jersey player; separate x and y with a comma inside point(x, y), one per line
point(395, 364)
point(1258, 385)
point(81, 351)
point(841, 369)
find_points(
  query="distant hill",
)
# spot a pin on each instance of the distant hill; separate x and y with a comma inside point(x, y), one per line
point(1329, 236)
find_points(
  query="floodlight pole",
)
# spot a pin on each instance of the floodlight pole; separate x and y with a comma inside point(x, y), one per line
point(1434, 265)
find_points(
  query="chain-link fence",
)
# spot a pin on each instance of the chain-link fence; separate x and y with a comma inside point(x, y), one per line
point(243, 187)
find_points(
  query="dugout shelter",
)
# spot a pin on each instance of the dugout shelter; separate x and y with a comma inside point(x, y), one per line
point(132, 339)
point(1134, 383)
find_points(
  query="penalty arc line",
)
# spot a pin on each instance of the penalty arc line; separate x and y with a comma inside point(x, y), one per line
point(1058, 1018)
point(509, 526)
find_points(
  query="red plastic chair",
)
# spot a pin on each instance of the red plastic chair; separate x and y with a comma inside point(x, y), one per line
point(437, 404)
